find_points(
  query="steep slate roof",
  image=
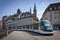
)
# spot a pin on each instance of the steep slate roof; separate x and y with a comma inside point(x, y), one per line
point(25, 14)
point(53, 7)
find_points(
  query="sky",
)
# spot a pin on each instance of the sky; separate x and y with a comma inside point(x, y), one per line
point(9, 7)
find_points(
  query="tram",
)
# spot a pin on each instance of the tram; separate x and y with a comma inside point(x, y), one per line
point(45, 27)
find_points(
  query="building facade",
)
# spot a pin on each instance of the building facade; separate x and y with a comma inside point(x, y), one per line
point(52, 13)
point(20, 20)
point(0, 24)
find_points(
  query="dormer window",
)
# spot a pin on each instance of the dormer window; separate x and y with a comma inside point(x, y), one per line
point(59, 7)
point(50, 8)
point(5, 18)
point(28, 15)
point(55, 8)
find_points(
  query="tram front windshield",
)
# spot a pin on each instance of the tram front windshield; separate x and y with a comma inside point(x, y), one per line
point(46, 25)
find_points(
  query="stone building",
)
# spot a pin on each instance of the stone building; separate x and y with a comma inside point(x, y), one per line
point(52, 13)
point(0, 24)
point(20, 20)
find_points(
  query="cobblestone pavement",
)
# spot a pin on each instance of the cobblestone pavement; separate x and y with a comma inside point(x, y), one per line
point(22, 35)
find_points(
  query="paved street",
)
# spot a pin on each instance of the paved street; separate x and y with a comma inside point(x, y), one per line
point(22, 35)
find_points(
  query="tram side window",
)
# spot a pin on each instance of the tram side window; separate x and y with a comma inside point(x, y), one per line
point(36, 26)
point(41, 26)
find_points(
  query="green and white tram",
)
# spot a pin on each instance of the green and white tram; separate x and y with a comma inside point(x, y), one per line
point(45, 27)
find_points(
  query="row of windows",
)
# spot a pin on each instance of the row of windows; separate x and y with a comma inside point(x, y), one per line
point(15, 24)
point(54, 8)
point(54, 16)
point(25, 16)
point(54, 12)
point(57, 22)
